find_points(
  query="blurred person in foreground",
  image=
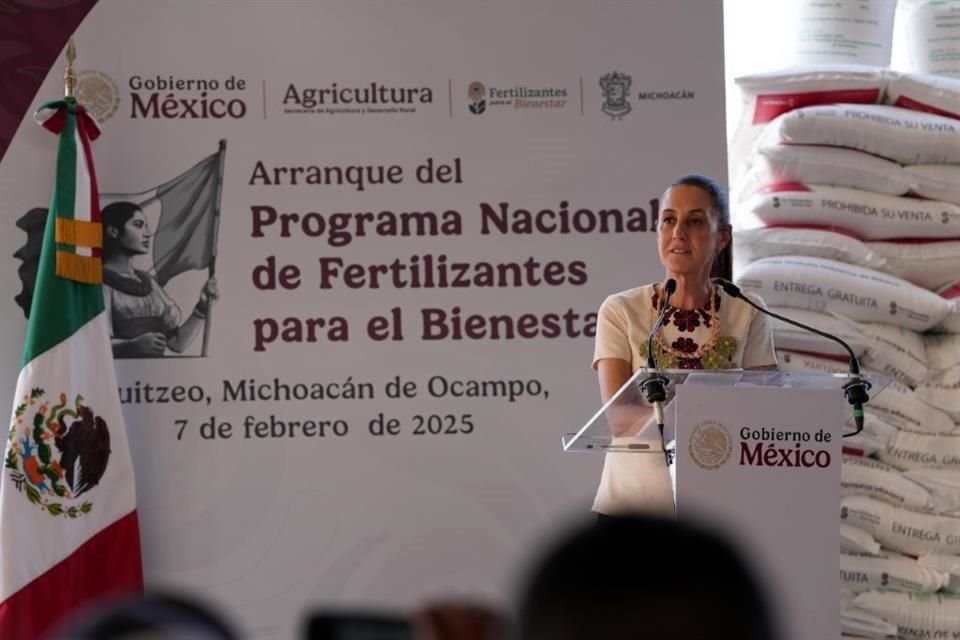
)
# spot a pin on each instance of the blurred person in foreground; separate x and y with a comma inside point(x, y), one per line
point(153, 616)
point(453, 619)
point(703, 328)
point(639, 577)
point(448, 618)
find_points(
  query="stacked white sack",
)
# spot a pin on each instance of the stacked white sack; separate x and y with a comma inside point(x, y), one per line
point(943, 485)
point(950, 324)
point(949, 565)
point(943, 351)
point(865, 215)
point(929, 94)
point(781, 165)
point(942, 389)
point(839, 188)
point(856, 540)
point(860, 573)
point(917, 441)
point(831, 32)
point(931, 265)
point(807, 172)
point(917, 615)
point(766, 242)
point(927, 37)
point(902, 135)
point(774, 163)
point(940, 96)
point(904, 530)
point(768, 95)
point(859, 623)
point(893, 351)
point(818, 284)
point(874, 479)
point(847, 218)
point(912, 450)
point(907, 430)
point(902, 510)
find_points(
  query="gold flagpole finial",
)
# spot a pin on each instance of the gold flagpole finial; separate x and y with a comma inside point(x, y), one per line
point(69, 77)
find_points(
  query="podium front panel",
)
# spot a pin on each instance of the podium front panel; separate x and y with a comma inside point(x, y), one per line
point(762, 464)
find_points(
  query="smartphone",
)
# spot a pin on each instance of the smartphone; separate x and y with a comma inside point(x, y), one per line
point(358, 626)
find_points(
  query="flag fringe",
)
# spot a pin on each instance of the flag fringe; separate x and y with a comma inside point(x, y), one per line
point(84, 269)
point(79, 233)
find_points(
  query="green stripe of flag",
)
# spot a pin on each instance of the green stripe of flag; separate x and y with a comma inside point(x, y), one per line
point(60, 306)
point(65, 187)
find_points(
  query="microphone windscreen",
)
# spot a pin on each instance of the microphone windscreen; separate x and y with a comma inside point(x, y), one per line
point(670, 286)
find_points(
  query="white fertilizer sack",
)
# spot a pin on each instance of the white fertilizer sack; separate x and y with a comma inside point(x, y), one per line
point(943, 351)
point(817, 284)
point(767, 95)
point(892, 351)
point(781, 163)
point(925, 92)
point(901, 529)
point(934, 181)
point(874, 479)
point(941, 389)
point(943, 485)
point(931, 265)
point(868, 216)
point(949, 565)
point(901, 135)
point(950, 324)
point(791, 338)
point(917, 615)
point(833, 32)
point(862, 573)
point(854, 540)
point(911, 450)
point(928, 37)
point(765, 242)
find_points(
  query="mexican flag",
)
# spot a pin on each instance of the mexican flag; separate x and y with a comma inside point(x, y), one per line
point(68, 519)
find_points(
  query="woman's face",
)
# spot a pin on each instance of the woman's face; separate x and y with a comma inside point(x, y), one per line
point(135, 239)
point(688, 233)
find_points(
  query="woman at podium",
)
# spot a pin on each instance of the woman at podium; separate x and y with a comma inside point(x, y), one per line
point(703, 328)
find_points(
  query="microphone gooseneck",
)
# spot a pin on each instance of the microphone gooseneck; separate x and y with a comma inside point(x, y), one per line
point(855, 390)
point(654, 386)
point(669, 288)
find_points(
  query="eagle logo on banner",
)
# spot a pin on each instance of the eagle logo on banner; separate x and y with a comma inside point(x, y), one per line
point(56, 454)
point(710, 445)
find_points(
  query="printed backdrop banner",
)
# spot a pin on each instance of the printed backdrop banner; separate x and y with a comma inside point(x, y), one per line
point(406, 215)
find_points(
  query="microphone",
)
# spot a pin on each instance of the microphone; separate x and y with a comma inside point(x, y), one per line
point(855, 390)
point(654, 385)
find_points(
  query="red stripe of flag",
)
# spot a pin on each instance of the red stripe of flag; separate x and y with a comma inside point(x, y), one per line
point(106, 564)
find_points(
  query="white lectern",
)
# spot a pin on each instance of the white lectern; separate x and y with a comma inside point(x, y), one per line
point(758, 456)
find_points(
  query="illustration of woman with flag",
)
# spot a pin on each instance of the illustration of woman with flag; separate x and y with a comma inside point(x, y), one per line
point(144, 321)
point(149, 238)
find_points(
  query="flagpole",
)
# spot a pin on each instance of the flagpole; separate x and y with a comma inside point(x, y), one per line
point(69, 77)
point(212, 269)
point(52, 471)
